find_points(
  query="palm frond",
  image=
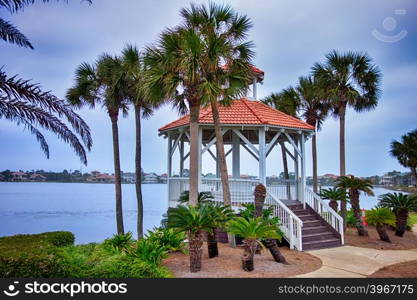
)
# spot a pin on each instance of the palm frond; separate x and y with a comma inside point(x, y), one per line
point(11, 34)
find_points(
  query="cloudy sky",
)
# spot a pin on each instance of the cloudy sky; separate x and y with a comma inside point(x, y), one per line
point(289, 36)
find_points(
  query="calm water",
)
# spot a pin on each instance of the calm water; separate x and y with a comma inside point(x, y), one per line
point(85, 209)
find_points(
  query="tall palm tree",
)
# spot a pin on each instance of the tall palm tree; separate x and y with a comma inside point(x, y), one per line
point(350, 80)
point(26, 104)
point(95, 84)
point(355, 186)
point(131, 88)
point(193, 221)
point(401, 204)
point(380, 217)
point(286, 101)
point(227, 64)
point(252, 230)
point(185, 66)
point(406, 152)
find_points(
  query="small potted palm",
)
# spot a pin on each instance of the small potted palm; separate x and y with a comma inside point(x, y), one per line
point(193, 221)
point(219, 214)
point(380, 217)
point(252, 230)
point(401, 204)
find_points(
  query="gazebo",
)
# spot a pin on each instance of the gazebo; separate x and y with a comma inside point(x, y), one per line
point(250, 125)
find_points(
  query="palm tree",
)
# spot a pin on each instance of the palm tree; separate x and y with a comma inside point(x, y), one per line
point(380, 217)
point(24, 103)
point(334, 195)
point(193, 221)
point(95, 83)
point(219, 214)
point(187, 67)
point(286, 101)
point(252, 230)
point(130, 85)
point(356, 185)
point(350, 80)
point(401, 204)
point(314, 111)
point(406, 152)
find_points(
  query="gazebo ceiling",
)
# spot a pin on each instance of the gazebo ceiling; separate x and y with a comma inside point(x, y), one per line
point(243, 112)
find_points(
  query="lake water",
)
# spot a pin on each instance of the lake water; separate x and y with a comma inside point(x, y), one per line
point(85, 209)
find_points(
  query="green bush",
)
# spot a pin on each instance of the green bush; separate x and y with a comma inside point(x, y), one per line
point(36, 255)
point(171, 239)
point(350, 219)
point(150, 251)
point(120, 242)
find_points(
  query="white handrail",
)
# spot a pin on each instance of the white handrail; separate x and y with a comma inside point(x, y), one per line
point(291, 225)
point(325, 211)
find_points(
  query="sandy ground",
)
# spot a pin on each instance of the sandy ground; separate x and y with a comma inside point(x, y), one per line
point(408, 241)
point(228, 264)
point(402, 270)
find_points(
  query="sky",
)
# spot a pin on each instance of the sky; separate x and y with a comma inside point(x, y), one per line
point(290, 36)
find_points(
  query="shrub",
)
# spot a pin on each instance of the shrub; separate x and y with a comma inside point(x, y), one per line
point(35, 255)
point(350, 219)
point(119, 242)
point(150, 251)
point(171, 239)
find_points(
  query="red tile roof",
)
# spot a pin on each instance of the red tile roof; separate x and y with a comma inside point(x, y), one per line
point(244, 112)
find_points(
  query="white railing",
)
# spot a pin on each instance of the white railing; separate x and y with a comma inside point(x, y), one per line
point(284, 191)
point(325, 211)
point(291, 225)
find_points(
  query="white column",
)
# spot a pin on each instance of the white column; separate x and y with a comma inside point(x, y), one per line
point(181, 158)
point(262, 156)
point(236, 155)
point(169, 165)
point(296, 168)
point(200, 161)
point(303, 167)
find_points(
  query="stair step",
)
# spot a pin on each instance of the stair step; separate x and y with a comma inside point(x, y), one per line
point(319, 244)
point(308, 217)
point(321, 236)
point(312, 223)
point(315, 229)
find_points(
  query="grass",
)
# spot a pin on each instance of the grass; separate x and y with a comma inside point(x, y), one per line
point(412, 219)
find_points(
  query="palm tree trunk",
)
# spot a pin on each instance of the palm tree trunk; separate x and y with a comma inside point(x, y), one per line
point(213, 250)
point(354, 199)
point(221, 157)
point(401, 222)
point(196, 252)
point(194, 151)
point(272, 246)
point(249, 248)
point(381, 229)
point(342, 156)
point(333, 205)
point(117, 174)
point(314, 156)
point(138, 172)
point(286, 174)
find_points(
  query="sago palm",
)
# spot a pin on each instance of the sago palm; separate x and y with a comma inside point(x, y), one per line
point(193, 221)
point(355, 186)
point(252, 230)
point(350, 80)
point(219, 214)
point(406, 152)
point(334, 195)
point(380, 217)
point(401, 204)
point(187, 67)
point(95, 84)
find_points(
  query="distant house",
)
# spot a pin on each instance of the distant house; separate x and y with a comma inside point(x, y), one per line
point(101, 177)
point(387, 179)
point(163, 178)
point(37, 177)
point(18, 176)
point(128, 177)
point(2, 178)
point(150, 178)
